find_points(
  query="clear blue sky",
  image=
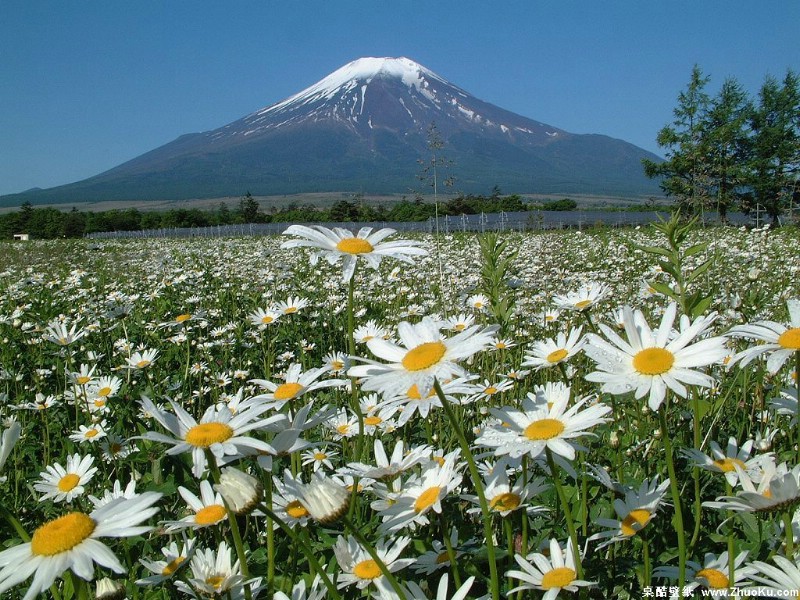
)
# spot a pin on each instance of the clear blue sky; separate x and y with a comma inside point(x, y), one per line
point(85, 86)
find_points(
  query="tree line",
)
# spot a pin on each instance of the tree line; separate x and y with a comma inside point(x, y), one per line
point(49, 222)
point(730, 151)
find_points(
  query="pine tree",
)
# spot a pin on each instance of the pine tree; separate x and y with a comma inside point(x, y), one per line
point(685, 172)
point(725, 145)
point(774, 157)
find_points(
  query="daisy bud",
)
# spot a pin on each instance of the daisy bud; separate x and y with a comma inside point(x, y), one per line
point(242, 492)
point(109, 590)
point(325, 500)
point(614, 439)
point(657, 434)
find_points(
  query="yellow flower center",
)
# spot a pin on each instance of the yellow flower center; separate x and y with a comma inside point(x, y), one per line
point(172, 566)
point(182, 318)
point(413, 393)
point(62, 534)
point(427, 499)
point(543, 429)
point(343, 429)
point(443, 558)
point(557, 355)
point(208, 515)
point(373, 421)
point(490, 390)
point(636, 520)
point(367, 569)
point(83, 380)
point(99, 403)
point(354, 245)
point(320, 456)
point(287, 391)
point(266, 319)
point(68, 482)
point(653, 361)
point(296, 510)
point(459, 326)
point(790, 339)
point(90, 433)
point(717, 580)
point(215, 581)
point(104, 391)
point(726, 465)
point(337, 365)
point(505, 501)
point(205, 435)
point(558, 578)
point(424, 356)
point(142, 364)
point(583, 304)
point(290, 310)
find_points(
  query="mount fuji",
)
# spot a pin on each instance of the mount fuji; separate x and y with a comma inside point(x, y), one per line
point(364, 128)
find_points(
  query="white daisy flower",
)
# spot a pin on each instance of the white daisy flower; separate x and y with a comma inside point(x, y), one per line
point(726, 461)
point(175, 556)
point(537, 426)
point(779, 340)
point(336, 243)
point(776, 580)
point(650, 361)
point(72, 542)
point(218, 431)
point(551, 352)
point(424, 354)
point(359, 569)
point(207, 510)
point(296, 382)
point(713, 574)
point(583, 298)
point(63, 484)
point(550, 574)
point(634, 511)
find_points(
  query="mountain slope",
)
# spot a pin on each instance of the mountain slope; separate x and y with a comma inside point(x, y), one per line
point(364, 128)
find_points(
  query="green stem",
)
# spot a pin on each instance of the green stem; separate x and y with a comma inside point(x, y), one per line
point(676, 496)
point(797, 389)
point(307, 551)
point(477, 482)
point(562, 498)
point(647, 574)
point(270, 539)
point(234, 525)
point(731, 546)
point(451, 555)
point(698, 501)
point(787, 524)
point(378, 560)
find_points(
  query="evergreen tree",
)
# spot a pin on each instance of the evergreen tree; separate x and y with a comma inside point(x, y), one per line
point(248, 209)
point(774, 158)
point(724, 145)
point(685, 170)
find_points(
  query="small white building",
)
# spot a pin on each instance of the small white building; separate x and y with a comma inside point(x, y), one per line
point(22, 237)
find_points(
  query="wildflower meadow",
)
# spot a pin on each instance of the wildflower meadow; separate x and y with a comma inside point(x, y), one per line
point(345, 414)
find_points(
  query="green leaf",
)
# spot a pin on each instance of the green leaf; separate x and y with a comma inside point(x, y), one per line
point(700, 307)
point(655, 250)
point(698, 271)
point(663, 288)
point(696, 249)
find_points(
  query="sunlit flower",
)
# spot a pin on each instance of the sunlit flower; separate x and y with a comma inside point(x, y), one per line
point(175, 557)
point(727, 461)
point(91, 434)
point(296, 383)
point(116, 491)
point(58, 333)
point(401, 460)
point(634, 511)
point(778, 490)
point(650, 361)
point(215, 575)
point(141, 360)
point(218, 431)
point(63, 484)
point(264, 318)
point(780, 579)
point(713, 574)
point(71, 542)
point(337, 243)
point(551, 352)
point(207, 510)
point(551, 574)
point(583, 298)
point(538, 426)
point(423, 494)
point(777, 339)
point(423, 354)
point(358, 567)
point(241, 492)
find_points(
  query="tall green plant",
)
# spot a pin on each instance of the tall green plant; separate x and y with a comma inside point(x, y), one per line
point(496, 261)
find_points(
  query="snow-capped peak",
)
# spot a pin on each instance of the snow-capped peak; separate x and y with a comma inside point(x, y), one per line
point(358, 72)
